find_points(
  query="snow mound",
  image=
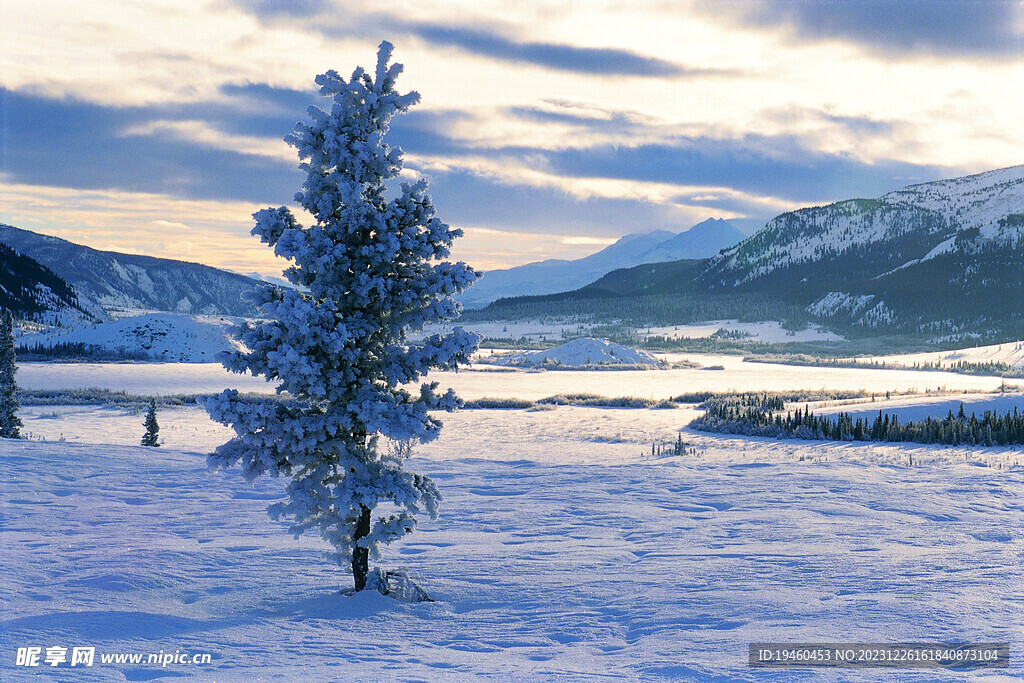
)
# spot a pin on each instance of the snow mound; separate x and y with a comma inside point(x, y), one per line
point(585, 353)
point(163, 336)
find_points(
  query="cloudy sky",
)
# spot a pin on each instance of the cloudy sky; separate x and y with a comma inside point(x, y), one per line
point(546, 129)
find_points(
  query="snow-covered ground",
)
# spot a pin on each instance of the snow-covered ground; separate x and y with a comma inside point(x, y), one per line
point(770, 332)
point(165, 336)
point(531, 330)
point(564, 550)
point(919, 407)
point(712, 373)
point(1011, 353)
point(183, 338)
point(187, 427)
point(556, 330)
point(198, 339)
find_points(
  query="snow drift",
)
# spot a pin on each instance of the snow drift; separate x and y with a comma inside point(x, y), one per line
point(583, 354)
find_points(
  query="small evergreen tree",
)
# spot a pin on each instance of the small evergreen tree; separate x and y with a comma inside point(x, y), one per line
point(10, 423)
point(152, 428)
point(338, 343)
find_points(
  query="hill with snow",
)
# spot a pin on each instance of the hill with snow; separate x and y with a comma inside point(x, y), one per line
point(942, 257)
point(898, 230)
point(31, 291)
point(582, 354)
point(546, 277)
point(118, 282)
point(160, 336)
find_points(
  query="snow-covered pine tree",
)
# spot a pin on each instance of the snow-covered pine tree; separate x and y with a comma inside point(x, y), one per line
point(365, 277)
point(151, 437)
point(10, 423)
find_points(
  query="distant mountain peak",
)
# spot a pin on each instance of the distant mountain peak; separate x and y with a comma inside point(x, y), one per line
point(653, 235)
point(709, 222)
point(940, 261)
point(548, 277)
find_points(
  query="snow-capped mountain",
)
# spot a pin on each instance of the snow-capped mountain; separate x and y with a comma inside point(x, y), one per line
point(876, 236)
point(977, 202)
point(943, 259)
point(701, 241)
point(33, 292)
point(126, 281)
point(794, 246)
point(946, 257)
point(556, 275)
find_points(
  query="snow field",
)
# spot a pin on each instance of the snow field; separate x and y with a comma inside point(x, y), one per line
point(185, 428)
point(485, 381)
point(736, 375)
point(554, 435)
point(167, 336)
point(770, 332)
point(649, 569)
point(557, 330)
point(532, 330)
point(1011, 353)
point(564, 550)
point(920, 407)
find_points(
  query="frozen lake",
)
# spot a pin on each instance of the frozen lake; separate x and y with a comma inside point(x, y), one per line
point(138, 378)
point(480, 380)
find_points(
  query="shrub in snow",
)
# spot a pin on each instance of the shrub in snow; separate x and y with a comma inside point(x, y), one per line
point(151, 437)
point(397, 584)
point(499, 404)
point(10, 423)
point(338, 345)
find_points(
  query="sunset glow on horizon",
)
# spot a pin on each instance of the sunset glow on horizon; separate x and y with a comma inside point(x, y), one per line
point(545, 129)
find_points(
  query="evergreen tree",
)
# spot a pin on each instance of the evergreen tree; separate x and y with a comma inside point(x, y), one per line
point(10, 423)
point(337, 344)
point(152, 428)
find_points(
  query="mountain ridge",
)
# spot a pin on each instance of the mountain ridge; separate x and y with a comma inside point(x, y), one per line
point(114, 281)
point(31, 291)
point(556, 275)
point(943, 259)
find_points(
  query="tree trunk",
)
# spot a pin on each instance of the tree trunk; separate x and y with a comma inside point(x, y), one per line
point(361, 556)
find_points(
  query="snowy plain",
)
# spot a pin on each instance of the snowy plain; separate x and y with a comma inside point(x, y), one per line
point(1011, 354)
point(564, 329)
point(564, 549)
point(917, 407)
point(165, 336)
point(769, 332)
